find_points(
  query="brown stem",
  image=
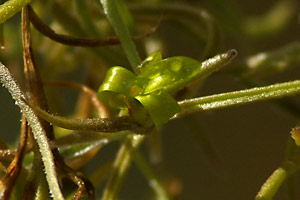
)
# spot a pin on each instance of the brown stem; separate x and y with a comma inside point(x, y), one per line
point(84, 185)
point(13, 170)
point(36, 91)
point(75, 41)
point(7, 153)
point(31, 72)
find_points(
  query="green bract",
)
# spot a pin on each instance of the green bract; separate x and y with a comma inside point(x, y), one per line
point(157, 80)
point(120, 87)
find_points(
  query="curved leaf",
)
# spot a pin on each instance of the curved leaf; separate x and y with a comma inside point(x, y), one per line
point(117, 87)
point(170, 74)
point(160, 105)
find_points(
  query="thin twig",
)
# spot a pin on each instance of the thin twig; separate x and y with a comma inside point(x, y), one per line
point(75, 41)
point(31, 72)
point(38, 96)
point(13, 170)
point(38, 132)
point(84, 185)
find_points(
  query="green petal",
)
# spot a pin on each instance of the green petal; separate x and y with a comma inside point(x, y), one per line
point(160, 105)
point(117, 87)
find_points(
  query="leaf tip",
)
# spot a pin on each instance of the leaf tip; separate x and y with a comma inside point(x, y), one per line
point(231, 54)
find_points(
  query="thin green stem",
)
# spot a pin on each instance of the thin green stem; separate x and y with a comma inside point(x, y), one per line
point(153, 181)
point(126, 16)
point(238, 97)
point(113, 15)
point(38, 132)
point(106, 125)
point(10, 8)
point(121, 165)
point(271, 186)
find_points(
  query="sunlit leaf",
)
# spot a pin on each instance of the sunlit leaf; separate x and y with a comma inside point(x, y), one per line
point(172, 74)
point(116, 87)
point(151, 59)
point(160, 105)
point(156, 82)
point(169, 74)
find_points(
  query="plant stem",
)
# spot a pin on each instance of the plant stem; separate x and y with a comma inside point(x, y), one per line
point(270, 187)
point(38, 132)
point(10, 8)
point(238, 97)
point(73, 40)
point(153, 181)
point(112, 13)
point(121, 165)
point(13, 170)
point(107, 125)
point(71, 25)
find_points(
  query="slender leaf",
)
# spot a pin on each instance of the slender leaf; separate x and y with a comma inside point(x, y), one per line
point(113, 15)
point(238, 97)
